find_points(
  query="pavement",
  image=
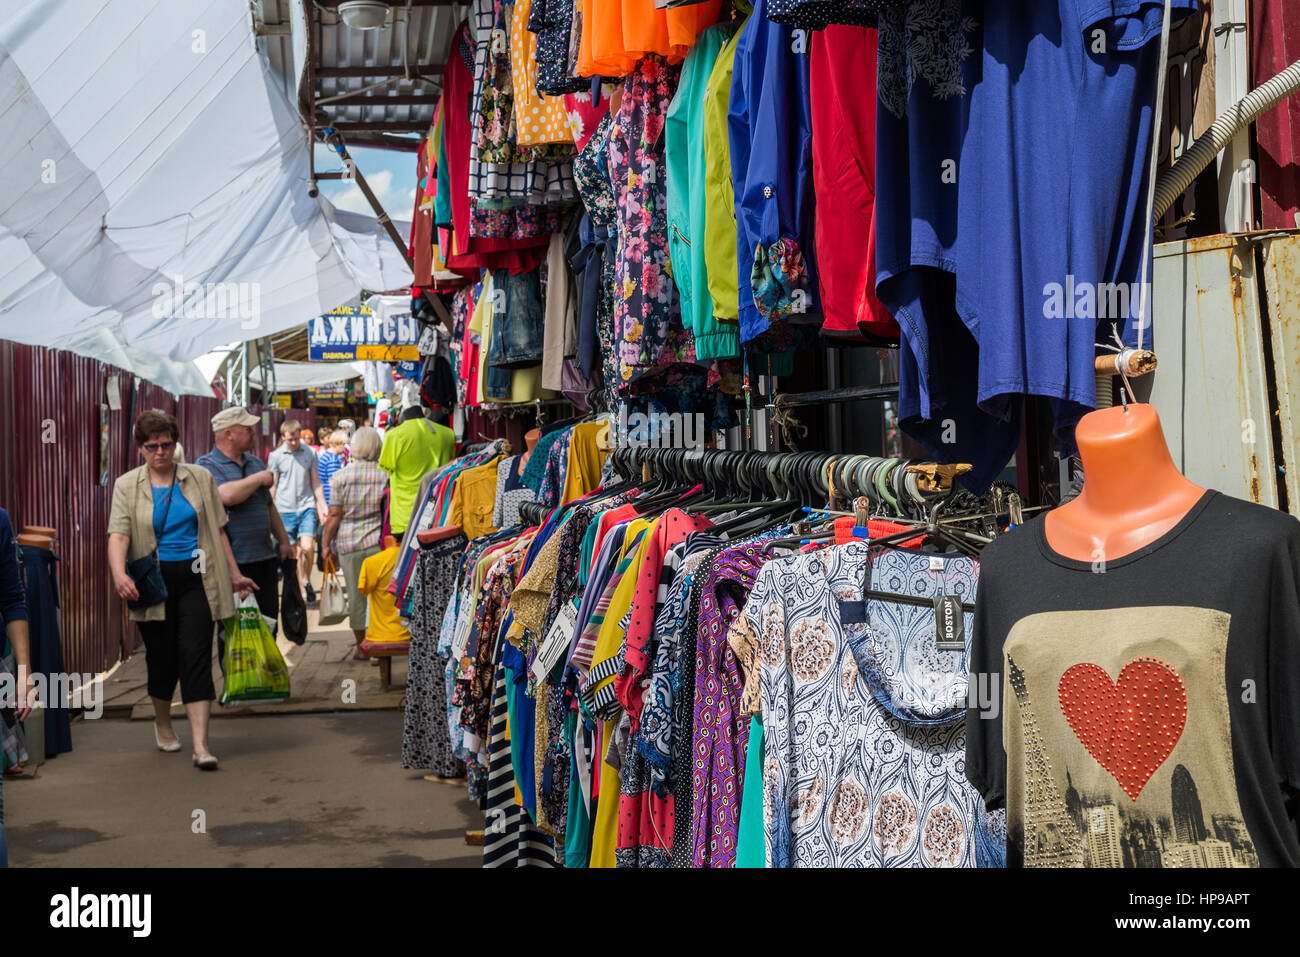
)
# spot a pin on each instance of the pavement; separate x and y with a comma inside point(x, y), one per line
point(306, 790)
point(313, 782)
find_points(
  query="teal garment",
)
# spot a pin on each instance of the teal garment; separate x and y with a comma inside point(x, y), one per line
point(517, 740)
point(442, 201)
point(751, 844)
point(586, 551)
point(577, 833)
point(535, 467)
point(684, 149)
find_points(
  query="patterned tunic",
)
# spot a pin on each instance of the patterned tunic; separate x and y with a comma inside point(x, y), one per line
point(863, 717)
point(426, 741)
point(721, 734)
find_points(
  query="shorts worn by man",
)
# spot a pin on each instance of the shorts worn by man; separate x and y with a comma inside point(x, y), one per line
point(299, 496)
point(244, 483)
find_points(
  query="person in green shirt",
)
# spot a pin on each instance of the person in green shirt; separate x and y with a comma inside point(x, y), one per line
point(414, 448)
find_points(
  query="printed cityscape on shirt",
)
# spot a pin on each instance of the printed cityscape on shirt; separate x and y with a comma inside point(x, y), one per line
point(1118, 741)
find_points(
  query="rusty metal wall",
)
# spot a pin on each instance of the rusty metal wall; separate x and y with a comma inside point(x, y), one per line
point(51, 472)
point(1222, 359)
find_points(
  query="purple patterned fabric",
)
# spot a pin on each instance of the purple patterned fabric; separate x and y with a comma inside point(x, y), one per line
point(721, 733)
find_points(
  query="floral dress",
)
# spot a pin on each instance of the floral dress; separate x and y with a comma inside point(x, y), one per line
point(654, 348)
point(552, 21)
point(593, 180)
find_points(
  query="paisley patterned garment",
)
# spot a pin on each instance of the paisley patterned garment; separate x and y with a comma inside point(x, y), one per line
point(863, 717)
point(721, 736)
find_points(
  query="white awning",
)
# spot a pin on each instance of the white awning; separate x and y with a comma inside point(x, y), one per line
point(292, 376)
point(154, 203)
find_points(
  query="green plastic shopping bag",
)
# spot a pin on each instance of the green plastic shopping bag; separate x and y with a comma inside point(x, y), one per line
point(255, 669)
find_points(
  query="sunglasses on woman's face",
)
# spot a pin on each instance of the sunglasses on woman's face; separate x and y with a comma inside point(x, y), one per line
point(159, 446)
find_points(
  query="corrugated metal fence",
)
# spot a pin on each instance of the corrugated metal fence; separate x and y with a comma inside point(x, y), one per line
point(51, 471)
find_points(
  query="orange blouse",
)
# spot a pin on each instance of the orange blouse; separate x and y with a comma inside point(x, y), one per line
point(618, 33)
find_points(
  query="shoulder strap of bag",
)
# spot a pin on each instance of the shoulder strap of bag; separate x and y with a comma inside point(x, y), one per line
point(157, 532)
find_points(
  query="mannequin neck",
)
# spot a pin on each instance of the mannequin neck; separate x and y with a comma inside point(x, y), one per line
point(1132, 492)
point(1126, 463)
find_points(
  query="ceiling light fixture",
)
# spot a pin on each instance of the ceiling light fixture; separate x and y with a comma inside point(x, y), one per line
point(364, 14)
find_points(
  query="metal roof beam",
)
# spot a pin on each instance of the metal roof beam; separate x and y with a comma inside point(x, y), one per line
point(377, 70)
point(379, 99)
point(381, 127)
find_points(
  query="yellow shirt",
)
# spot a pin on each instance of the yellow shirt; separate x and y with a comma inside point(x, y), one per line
point(586, 459)
point(720, 255)
point(473, 500)
point(384, 624)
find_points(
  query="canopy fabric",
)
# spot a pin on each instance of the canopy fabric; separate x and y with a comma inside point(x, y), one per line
point(154, 203)
point(292, 376)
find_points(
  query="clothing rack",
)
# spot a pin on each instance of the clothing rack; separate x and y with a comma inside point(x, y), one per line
point(892, 485)
point(785, 400)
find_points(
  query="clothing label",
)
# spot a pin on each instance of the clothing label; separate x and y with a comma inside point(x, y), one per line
point(557, 640)
point(853, 612)
point(936, 563)
point(949, 628)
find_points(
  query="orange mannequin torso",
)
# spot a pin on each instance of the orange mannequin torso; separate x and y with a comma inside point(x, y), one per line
point(1132, 492)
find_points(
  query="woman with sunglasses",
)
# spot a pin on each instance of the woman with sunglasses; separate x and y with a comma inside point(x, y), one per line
point(173, 511)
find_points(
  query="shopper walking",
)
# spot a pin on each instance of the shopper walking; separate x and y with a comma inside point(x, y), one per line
point(411, 450)
point(244, 484)
point(300, 498)
point(13, 612)
point(331, 459)
point(174, 513)
point(355, 523)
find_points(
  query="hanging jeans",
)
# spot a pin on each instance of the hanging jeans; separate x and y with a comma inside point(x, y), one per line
point(518, 321)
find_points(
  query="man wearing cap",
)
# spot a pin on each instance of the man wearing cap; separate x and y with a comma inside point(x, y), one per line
point(244, 484)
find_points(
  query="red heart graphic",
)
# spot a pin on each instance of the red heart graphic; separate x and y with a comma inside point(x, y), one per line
point(1130, 726)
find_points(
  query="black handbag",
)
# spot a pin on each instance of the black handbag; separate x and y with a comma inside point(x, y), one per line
point(146, 571)
point(293, 610)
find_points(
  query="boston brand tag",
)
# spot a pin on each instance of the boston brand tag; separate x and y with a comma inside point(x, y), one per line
point(853, 612)
point(949, 629)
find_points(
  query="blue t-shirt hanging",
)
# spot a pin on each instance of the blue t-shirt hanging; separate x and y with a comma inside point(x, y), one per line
point(180, 537)
point(1015, 141)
